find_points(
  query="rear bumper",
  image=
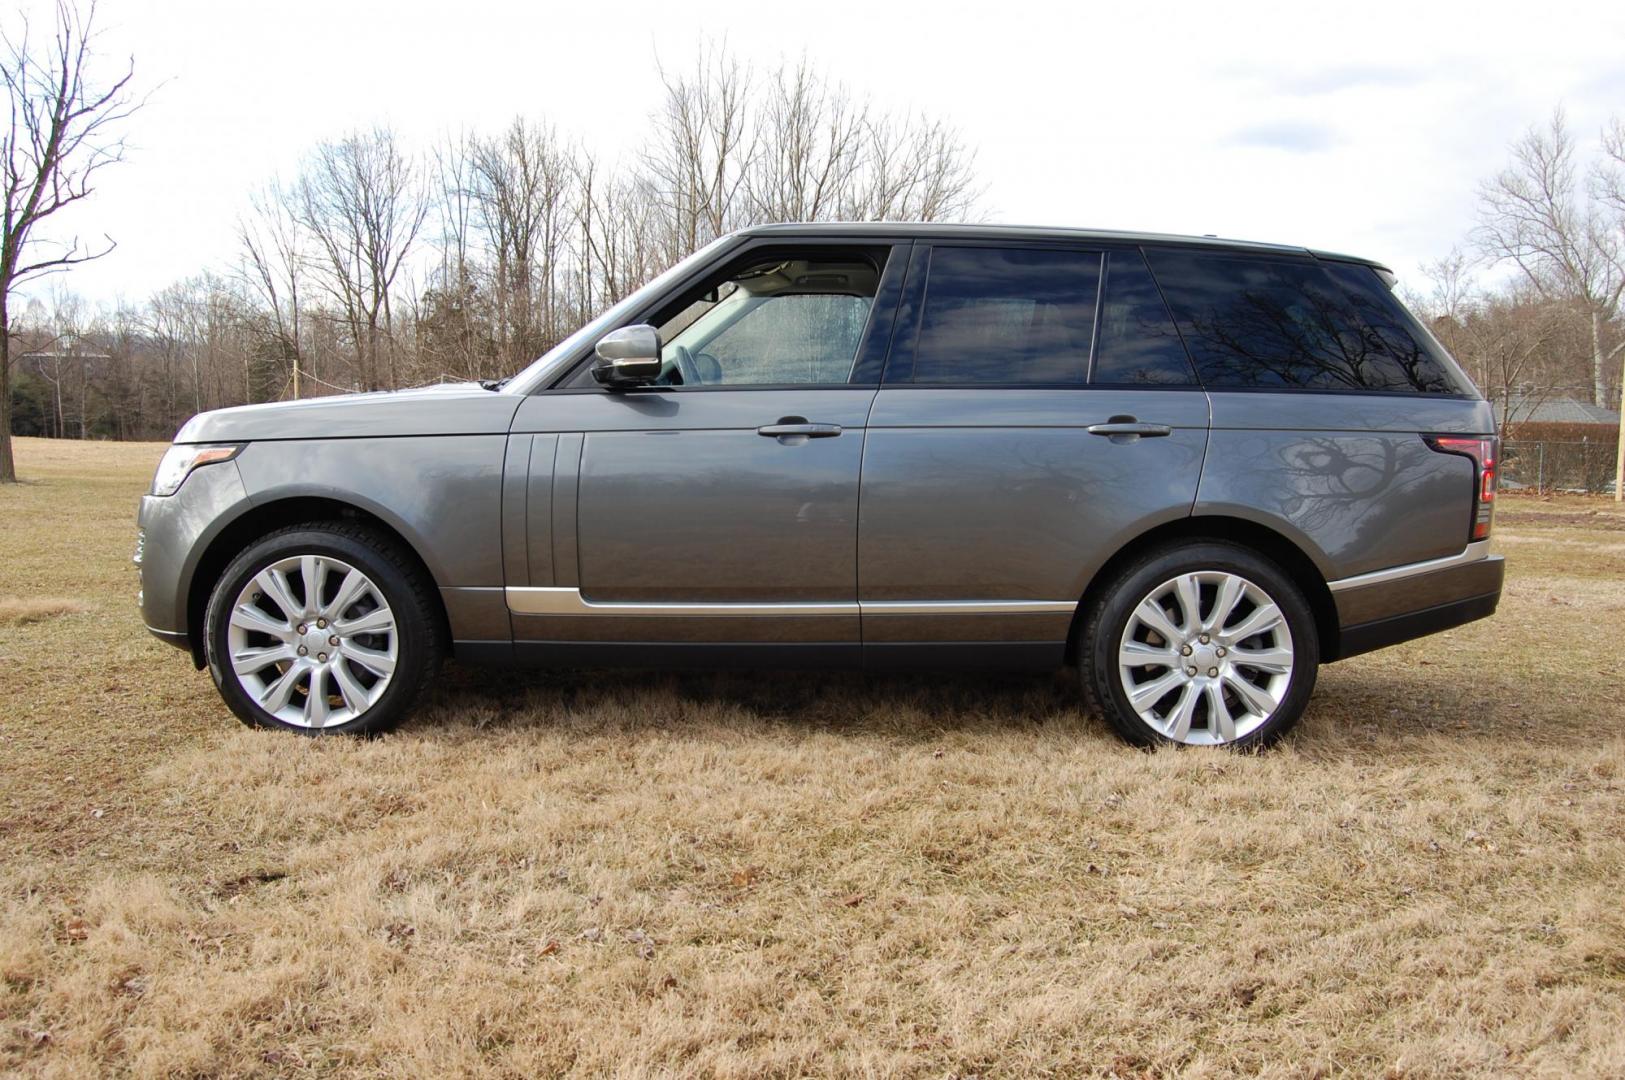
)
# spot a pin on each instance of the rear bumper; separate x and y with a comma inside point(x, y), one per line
point(1398, 607)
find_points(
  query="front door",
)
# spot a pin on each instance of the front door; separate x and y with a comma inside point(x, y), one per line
point(713, 513)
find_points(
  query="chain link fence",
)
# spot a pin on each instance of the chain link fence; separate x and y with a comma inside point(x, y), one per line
point(1557, 466)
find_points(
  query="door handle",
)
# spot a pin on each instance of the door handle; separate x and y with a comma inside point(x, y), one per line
point(799, 427)
point(1130, 429)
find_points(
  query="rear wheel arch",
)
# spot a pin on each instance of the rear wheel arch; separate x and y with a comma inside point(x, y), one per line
point(1267, 542)
point(258, 522)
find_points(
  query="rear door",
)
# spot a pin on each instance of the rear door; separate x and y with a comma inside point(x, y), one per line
point(1017, 441)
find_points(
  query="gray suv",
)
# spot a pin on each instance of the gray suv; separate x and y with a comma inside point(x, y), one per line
point(1196, 469)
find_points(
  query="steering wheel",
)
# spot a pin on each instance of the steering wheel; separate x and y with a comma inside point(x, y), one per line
point(688, 374)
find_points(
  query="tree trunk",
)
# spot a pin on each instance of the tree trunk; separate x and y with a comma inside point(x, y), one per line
point(8, 464)
point(1599, 374)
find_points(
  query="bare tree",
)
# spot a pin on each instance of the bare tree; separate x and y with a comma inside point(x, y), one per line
point(361, 199)
point(1537, 214)
point(702, 151)
point(521, 189)
point(272, 265)
point(62, 132)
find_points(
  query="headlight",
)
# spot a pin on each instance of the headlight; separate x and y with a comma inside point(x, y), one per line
point(179, 461)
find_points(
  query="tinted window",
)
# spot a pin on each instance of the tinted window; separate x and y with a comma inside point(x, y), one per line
point(1138, 343)
point(996, 315)
point(1419, 357)
point(1279, 323)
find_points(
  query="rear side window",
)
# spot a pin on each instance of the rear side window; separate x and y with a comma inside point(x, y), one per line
point(1007, 315)
point(1286, 323)
point(1138, 344)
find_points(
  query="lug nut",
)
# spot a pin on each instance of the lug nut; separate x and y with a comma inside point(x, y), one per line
point(1184, 650)
point(303, 650)
point(1213, 673)
point(322, 657)
point(321, 624)
point(301, 628)
point(334, 640)
point(1203, 639)
point(1190, 671)
point(1219, 651)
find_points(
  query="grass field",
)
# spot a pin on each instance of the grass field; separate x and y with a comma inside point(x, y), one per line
point(784, 875)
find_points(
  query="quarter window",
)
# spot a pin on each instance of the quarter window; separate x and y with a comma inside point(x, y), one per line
point(1263, 323)
point(1007, 315)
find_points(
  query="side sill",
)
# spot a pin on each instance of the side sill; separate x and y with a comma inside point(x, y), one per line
point(660, 655)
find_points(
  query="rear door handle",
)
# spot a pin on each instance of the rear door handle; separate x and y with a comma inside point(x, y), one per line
point(1118, 428)
point(802, 428)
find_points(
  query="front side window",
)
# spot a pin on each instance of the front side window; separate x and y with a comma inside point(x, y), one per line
point(777, 322)
point(1007, 315)
point(1278, 323)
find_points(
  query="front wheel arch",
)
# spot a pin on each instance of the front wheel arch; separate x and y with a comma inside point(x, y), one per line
point(259, 522)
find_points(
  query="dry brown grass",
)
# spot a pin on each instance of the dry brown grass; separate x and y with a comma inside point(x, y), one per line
point(777, 875)
point(20, 611)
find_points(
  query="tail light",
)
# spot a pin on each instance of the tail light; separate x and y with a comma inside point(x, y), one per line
point(1484, 453)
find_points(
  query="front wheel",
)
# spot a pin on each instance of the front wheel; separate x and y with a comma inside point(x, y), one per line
point(322, 628)
point(1203, 643)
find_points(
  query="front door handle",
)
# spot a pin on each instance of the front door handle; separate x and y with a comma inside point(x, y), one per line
point(795, 425)
point(1127, 430)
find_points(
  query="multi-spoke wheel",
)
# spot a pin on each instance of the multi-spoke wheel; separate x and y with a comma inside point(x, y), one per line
point(1204, 644)
point(321, 628)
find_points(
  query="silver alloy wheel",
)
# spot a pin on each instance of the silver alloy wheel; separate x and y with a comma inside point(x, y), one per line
point(312, 641)
point(1206, 658)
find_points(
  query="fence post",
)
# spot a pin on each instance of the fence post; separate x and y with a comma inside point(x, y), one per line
point(1540, 484)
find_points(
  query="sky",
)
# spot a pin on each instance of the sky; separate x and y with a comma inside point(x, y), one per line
point(1360, 127)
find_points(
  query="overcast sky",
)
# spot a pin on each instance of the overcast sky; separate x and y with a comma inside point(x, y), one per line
point(1362, 127)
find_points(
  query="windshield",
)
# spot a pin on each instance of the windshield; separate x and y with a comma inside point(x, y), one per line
point(543, 367)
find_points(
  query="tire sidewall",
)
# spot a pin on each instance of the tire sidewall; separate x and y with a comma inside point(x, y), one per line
point(1115, 608)
point(413, 645)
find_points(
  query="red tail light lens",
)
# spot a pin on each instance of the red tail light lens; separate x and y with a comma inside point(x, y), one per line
point(1485, 461)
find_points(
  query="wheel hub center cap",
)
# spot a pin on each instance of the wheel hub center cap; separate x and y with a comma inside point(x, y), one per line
point(316, 641)
point(1203, 657)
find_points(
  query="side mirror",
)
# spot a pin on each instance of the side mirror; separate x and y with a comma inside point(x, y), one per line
point(629, 356)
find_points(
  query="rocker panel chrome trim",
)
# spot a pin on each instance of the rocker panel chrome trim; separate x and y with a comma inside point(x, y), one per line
point(569, 601)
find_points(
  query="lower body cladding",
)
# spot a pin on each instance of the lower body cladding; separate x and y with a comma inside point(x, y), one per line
point(1390, 606)
point(558, 627)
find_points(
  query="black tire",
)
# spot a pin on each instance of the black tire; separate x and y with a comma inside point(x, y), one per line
point(411, 599)
point(1110, 609)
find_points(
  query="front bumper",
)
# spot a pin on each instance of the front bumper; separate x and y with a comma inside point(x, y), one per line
point(1386, 608)
point(175, 532)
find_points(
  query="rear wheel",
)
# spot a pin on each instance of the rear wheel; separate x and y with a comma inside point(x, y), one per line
point(322, 628)
point(1204, 643)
